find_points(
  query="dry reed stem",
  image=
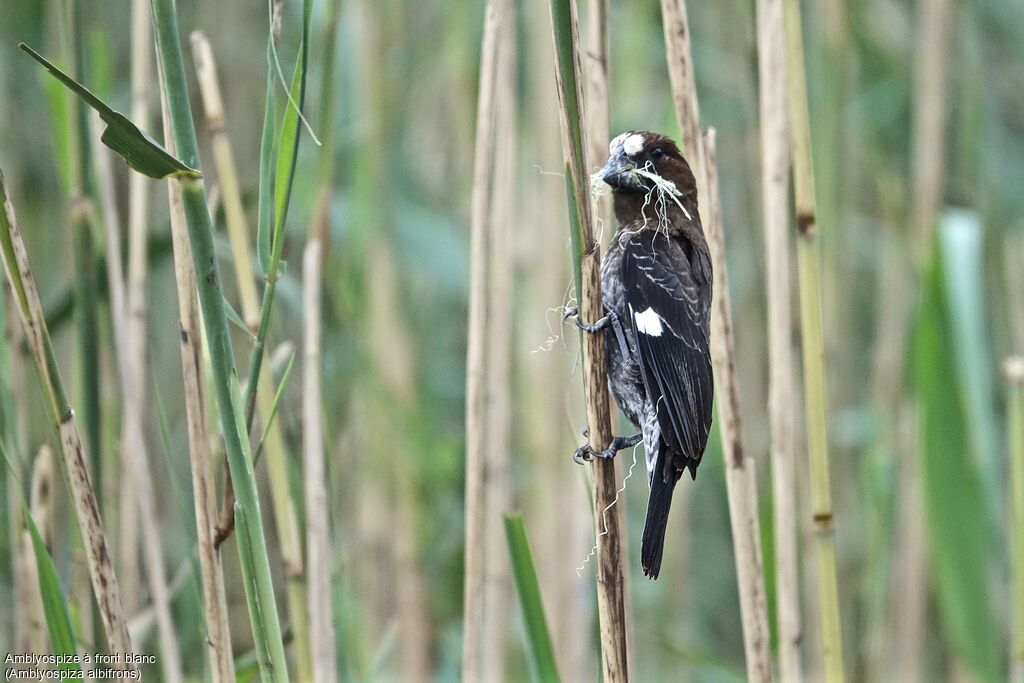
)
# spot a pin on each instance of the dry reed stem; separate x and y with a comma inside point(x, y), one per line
point(595, 68)
point(607, 526)
point(139, 510)
point(929, 118)
point(41, 505)
point(218, 632)
point(813, 347)
point(498, 581)
point(683, 83)
point(213, 105)
point(1013, 370)
point(322, 648)
point(739, 468)
point(76, 461)
point(112, 242)
point(476, 357)
point(775, 165)
point(133, 354)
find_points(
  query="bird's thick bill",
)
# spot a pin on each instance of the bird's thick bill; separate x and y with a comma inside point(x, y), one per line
point(620, 172)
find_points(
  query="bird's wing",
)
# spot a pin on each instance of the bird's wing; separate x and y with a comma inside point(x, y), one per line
point(669, 298)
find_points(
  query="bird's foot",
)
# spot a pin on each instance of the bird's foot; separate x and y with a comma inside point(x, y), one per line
point(585, 453)
point(594, 327)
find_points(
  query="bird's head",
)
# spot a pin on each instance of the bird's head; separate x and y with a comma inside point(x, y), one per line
point(641, 163)
point(637, 158)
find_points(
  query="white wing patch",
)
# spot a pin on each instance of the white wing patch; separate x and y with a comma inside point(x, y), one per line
point(633, 145)
point(648, 322)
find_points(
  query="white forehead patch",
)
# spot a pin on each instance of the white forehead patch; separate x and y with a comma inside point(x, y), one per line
point(648, 322)
point(616, 142)
point(633, 145)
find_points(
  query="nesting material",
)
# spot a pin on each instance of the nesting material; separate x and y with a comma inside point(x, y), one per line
point(664, 187)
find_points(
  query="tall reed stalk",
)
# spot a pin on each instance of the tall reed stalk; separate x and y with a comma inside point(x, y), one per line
point(555, 496)
point(139, 509)
point(587, 266)
point(1013, 369)
point(500, 316)
point(133, 353)
point(813, 347)
point(740, 477)
point(740, 474)
point(474, 588)
point(251, 538)
point(62, 418)
point(259, 394)
point(775, 167)
point(319, 554)
point(317, 520)
point(218, 631)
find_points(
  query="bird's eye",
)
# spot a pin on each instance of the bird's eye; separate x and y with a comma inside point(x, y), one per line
point(657, 154)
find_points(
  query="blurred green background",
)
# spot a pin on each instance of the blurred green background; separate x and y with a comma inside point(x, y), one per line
point(915, 328)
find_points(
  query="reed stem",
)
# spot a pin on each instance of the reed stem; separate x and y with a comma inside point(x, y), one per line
point(815, 395)
point(252, 540)
point(1013, 369)
point(587, 267)
point(740, 475)
point(218, 631)
point(474, 615)
point(62, 418)
point(775, 167)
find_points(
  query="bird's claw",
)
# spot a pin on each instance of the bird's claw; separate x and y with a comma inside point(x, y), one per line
point(592, 328)
point(586, 453)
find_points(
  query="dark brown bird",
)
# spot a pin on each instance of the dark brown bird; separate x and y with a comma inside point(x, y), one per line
point(656, 290)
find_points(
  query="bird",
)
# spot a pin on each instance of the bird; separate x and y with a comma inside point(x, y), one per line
point(656, 283)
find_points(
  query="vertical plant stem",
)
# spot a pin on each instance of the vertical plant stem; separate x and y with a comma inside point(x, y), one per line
point(587, 265)
point(498, 581)
point(319, 557)
point(112, 240)
point(218, 632)
point(81, 213)
point(82, 216)
point(815, 396)
point(260, 393)
point(41, 507)
point(476, 356)
point(252, 541)
point(929, 118)
point(139, 510)
point(775, 166)
point(740, 479)
point(317, 519)
point(740, 476)
point(555, 497)
point(683, 82)
point(1013, 368)
point(596, 69)
point(62, 417)
point(224, 160)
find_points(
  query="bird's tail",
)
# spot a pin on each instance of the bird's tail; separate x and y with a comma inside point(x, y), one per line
point(653, 544)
